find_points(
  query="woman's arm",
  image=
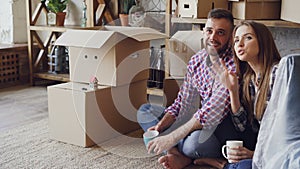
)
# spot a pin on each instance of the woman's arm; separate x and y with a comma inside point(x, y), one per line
point(230, 80)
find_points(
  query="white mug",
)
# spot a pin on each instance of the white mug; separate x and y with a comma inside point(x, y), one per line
point(230, 144)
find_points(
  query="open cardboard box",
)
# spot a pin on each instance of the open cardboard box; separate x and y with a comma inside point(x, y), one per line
point(82, 116)
point(115, 56)
point(183, 45)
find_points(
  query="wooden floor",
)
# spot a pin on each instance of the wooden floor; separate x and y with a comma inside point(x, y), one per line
point(22, 105)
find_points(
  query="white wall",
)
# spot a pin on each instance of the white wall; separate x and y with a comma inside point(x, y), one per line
point(6, 31)
point(13, 28)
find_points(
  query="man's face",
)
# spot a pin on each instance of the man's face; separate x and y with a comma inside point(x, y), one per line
point(217, 35)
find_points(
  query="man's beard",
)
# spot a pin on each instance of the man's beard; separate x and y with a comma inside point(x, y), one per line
point(216, 52)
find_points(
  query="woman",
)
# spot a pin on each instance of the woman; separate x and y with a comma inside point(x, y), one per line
point(256, 58)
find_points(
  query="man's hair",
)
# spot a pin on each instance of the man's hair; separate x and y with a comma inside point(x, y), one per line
point(219, 13)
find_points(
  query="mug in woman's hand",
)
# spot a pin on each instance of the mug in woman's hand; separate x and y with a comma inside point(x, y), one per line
point(230, 144)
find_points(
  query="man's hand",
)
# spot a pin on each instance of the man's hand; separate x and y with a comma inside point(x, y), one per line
point(164, 143)
point(160, 144)
point(164, 123)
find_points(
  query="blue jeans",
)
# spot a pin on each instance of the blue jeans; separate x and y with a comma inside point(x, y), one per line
point(149, 115)
point(243, 164)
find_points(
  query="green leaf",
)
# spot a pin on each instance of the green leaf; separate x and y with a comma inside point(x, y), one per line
point(57, 5)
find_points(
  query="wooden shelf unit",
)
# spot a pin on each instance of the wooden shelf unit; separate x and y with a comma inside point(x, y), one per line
point(171, 19)
point(63, 77)
point(38, 62)
point(155, 91)
point(269, 23)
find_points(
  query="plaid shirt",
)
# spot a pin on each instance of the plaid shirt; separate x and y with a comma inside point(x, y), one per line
point(240, 118)
point(200, 81)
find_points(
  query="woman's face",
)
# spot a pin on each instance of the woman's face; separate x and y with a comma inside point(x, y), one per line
point(246, 44)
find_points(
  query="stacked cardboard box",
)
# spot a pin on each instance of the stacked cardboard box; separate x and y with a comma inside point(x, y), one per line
point(289, 10)
point(183, 45)
point(256, 9)
point(241, 9)
point(117, 59)
point(199, 8)
point(172, 86)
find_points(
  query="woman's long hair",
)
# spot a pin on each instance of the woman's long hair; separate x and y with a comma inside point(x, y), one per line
point(268, 55)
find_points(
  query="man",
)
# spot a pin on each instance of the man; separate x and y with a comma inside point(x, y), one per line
point(184, 144)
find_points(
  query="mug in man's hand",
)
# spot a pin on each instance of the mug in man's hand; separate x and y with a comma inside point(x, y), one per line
point(230, 144)
point(149, 135)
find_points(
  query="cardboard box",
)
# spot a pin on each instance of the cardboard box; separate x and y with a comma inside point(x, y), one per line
point(171, 88)
point(81, 116)
point(289, 10)
point(183, 45)
point(199, 8)
point(115, 56)
point(256, 9)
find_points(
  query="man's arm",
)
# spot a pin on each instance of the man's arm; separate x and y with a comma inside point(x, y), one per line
point(164, 123)
point(181, 132)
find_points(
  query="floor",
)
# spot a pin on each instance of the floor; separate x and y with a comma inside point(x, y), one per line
point(21, 105)
point(15, 100)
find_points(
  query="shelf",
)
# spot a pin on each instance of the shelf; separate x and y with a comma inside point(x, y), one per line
point(52, 76)
point(270, 23)
point(61, 28)
point(37, 56)
point(155, 91)
point(279, 23)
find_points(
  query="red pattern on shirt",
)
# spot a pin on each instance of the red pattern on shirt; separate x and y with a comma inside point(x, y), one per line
point(198, 80)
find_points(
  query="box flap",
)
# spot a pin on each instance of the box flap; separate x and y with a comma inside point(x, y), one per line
point(138, 33)
point(192, 39)
point(84, 87)
point(84, 38)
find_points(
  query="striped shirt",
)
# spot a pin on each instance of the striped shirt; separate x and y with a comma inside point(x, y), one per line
point(199, 81)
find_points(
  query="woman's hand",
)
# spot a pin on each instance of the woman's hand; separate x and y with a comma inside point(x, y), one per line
point(160, 144)
point(240, 153)
point(228, 78)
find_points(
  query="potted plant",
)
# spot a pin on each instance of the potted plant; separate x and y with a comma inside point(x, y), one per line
point(125, 6)
point(58, 7)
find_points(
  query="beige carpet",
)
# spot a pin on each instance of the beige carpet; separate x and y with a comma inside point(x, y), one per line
point(29, 146)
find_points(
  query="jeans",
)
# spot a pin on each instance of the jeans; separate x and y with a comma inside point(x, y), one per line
point(243, 164)
point(149, 115)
